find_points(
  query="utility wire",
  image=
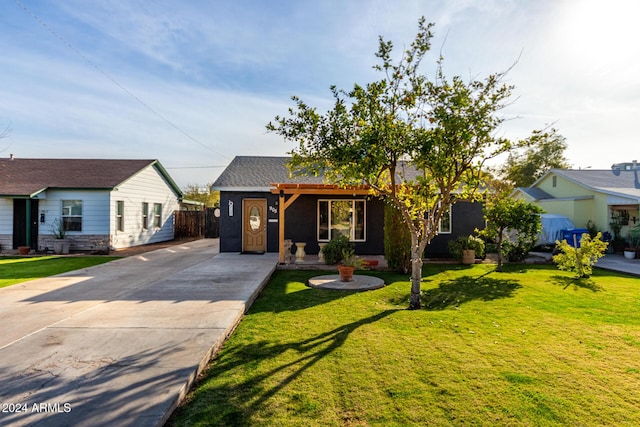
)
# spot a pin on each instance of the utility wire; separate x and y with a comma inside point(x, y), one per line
point(114, 81)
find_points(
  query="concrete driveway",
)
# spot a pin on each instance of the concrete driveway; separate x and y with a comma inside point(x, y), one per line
point(120, 343)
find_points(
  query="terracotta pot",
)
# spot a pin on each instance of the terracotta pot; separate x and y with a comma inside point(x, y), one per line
point(346, 273)
point(468, 256)
point(24, 250)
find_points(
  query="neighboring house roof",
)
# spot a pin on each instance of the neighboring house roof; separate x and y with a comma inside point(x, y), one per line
point(535, 193)
point(28, 177)
point(610, 181)
point(253, 173)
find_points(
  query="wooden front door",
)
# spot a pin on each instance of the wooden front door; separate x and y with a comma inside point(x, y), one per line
point(254, 225)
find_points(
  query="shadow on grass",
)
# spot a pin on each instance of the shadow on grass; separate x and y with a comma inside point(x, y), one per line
point(454, 292)
point(584, 283)
point(235, 402)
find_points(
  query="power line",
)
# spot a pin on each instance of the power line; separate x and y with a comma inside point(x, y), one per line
point(114, 81)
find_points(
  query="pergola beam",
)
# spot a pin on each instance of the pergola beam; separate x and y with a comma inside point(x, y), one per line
point(296, 190)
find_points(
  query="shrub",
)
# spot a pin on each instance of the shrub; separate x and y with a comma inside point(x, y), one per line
point(334, 250)
point(462, 243)
point(397, 240)
point(580, 260)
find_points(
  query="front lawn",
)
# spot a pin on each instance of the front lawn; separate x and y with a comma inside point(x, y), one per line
point(20, 269)
point(529, 346)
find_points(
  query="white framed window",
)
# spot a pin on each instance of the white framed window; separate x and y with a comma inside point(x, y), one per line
point(145, 215)
point(444, 226)
point(157, 215)
point(342, 217)
point(72, 215)
point(120, 215)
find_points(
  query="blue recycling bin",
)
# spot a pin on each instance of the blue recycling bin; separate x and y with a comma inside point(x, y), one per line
point(573, 236)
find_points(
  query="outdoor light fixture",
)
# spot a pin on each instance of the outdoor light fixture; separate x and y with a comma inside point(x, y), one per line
point(281, 193)
point(230, 208)
point(42, 217)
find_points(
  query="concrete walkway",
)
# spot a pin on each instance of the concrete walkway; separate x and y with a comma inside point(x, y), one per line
point(619, 263)
point(120, 343)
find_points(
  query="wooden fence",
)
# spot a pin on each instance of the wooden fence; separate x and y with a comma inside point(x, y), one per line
point(196, 224)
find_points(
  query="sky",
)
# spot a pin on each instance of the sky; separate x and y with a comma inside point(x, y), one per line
point(193, 83)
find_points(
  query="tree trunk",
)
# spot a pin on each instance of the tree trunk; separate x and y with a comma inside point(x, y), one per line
point(499, 268)
point(416, 278)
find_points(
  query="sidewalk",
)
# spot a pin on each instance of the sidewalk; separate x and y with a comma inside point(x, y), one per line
point(619, 263)
point(120, 343)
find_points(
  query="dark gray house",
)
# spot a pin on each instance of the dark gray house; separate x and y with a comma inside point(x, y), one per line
point(262, 205)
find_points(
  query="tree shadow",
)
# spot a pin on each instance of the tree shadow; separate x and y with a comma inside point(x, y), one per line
point(58, 389)
point(235, 402)
point(575, 283)
point(454, 292)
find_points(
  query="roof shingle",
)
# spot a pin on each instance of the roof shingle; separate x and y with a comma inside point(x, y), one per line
point(24, 177)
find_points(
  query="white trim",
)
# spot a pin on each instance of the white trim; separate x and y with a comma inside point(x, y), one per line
point(244, 189)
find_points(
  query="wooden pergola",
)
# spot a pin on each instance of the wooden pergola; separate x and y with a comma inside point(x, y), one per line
point(296, 190)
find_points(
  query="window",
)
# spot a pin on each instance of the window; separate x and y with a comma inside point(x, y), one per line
point(444, 227)
point(72, 215)
point(120, 215)
point(145, 215)
point(341, 217)
point(157, 215)
point(554, 181)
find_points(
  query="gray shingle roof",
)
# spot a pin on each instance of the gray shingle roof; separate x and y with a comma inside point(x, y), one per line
point(258, 173)
point(535, 193)
point(622, 182)
point(24, 177)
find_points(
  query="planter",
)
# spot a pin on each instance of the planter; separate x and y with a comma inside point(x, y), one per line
point(468, 256)
point(24, 250)
point(61, 246)
point(629, 253)
point(370, 263)
point(346, 273)
point(300, 253)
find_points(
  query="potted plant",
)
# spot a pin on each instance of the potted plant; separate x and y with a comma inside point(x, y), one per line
point(61, 243)
point(617, 242)
point(633, 242)
point(466, 248)
point(350, 262)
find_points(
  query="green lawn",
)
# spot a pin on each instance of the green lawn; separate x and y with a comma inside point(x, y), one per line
point(528, 347)
point(20, 269)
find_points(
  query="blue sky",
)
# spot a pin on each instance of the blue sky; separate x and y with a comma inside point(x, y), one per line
point(193, 83)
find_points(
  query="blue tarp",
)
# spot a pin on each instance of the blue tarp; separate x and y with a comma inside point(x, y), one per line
point(552, 227)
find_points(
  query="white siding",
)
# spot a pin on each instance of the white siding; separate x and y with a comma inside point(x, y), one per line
point(6, 216)
point(95, 211)
point(6, 224)
point(147, 186)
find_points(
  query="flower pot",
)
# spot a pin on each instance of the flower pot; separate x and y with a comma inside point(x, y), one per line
point(629, 253)
point(346, 273)
point(24, 250)
point(300, 253)
point(61, 246)
point(468, 256)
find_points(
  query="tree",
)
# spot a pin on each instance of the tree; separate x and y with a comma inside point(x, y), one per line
point(413, 141)
point(580, 260)
point(545, 150)
point(506, 216)
point(202, 194)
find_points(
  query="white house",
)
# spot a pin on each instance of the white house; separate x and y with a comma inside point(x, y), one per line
point(99, 202)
